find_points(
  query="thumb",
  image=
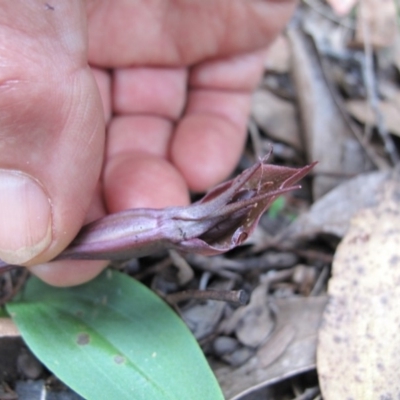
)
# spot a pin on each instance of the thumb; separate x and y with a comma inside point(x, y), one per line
point(52, 129)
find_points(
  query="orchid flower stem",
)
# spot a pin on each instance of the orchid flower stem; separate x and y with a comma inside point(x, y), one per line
point(238, 297)
point(222, 220)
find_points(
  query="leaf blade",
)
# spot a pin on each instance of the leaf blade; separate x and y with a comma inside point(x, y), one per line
point(113, 338)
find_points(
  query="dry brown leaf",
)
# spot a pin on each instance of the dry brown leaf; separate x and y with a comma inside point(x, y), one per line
point(256, 321)
point(390, 110)
point(379, 17)
point(276, 117)
point(332, 213)
point(276, 345)
point(298, 319)
point(359, 344)
point(203, 318)
point(328, 135)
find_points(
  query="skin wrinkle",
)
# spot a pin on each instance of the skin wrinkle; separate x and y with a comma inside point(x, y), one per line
point(84, 144)
point(103, 81)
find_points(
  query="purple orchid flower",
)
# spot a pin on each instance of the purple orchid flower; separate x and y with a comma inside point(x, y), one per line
point(223, 219)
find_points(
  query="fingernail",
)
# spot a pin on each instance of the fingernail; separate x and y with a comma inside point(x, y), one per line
point(25, 217)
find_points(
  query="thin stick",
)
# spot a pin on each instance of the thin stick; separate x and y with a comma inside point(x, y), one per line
point(321, 280)
point(239, 297)
point(255, 138)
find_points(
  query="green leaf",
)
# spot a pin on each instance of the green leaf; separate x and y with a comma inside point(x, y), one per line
point(276, 207)
point(113, 338)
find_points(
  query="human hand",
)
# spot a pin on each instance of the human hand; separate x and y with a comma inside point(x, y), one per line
point(175, 79)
